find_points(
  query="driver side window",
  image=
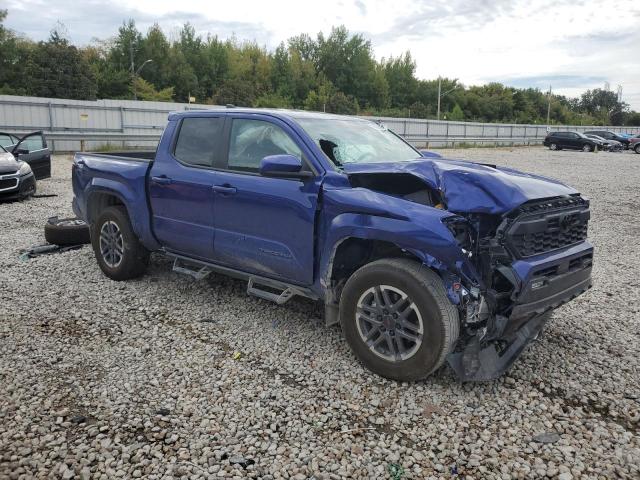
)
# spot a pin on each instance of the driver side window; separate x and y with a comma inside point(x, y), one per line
point(252, 140)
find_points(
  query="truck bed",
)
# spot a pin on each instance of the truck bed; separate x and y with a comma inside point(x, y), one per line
point(139, 155)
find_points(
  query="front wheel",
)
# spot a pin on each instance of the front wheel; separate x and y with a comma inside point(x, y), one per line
point(587, 148)
point(553, 146)
point(637, 148)
point(397, 319)
point(118, 251)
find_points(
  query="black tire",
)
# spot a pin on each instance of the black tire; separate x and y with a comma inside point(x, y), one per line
point(554, 146)
point(587, 148)
point(426, 291)
point(66, 231)
point(637, 148)
point(134, 257)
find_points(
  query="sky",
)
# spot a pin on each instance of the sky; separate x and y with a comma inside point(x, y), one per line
point(570, 45)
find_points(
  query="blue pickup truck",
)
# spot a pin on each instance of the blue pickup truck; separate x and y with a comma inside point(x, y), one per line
point(420, 260)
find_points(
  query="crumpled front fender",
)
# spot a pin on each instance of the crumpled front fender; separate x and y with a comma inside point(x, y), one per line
point(368, 215)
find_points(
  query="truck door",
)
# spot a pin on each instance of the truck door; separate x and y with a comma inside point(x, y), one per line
point(180, 186)
point(265, 225)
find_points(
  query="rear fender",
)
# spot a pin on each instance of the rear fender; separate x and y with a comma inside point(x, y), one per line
point(133, 199)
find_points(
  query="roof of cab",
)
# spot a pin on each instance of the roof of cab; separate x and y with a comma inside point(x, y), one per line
point(276, 112)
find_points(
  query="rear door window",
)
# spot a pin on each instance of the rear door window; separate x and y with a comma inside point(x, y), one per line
point(199, 141)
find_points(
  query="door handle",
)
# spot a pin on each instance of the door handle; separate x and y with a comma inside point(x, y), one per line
point(224, 189)
point(162, 180)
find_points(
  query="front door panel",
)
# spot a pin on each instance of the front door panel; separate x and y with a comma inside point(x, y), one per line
point(266, 226)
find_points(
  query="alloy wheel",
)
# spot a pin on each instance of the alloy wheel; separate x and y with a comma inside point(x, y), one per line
point(389, 323)
point(111, 244)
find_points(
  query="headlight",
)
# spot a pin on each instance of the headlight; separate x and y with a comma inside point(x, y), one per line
point(25, 169)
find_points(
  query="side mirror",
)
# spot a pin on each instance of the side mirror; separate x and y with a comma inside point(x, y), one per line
point(428, 154)
point(285, 166)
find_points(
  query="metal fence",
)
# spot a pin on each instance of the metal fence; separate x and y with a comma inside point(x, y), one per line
point(72, 125)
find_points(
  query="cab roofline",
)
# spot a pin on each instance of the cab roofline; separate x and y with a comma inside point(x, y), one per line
point(275, 112)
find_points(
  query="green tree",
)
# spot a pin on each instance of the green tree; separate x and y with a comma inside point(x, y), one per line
point(348, 63)
point(57, 69)
point(342, 104)
point(156, 47)
point(400, 75)
point(144, 90)
point(456, 114)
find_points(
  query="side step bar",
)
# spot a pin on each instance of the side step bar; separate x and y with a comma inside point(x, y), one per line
point(180, 266)
point(283, 297)
point(261, 287)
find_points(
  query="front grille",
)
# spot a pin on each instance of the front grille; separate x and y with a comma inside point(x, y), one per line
point(8, 183)
point(547, 226)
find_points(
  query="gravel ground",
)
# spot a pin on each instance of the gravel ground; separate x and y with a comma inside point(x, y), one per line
point(167, 377)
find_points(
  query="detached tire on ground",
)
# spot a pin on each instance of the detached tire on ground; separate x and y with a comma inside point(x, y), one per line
point(118, 251)
point(397, 319)
point(66, 231)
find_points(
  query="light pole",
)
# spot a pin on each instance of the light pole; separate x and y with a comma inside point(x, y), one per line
point(135, 95)
point(549, 108)
point(439, 89)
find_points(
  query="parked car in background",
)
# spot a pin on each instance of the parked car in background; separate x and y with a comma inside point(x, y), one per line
point(16, 178)
point(608, 135)
point(634, 143)
point(32, 149)
point(570, 140)
point(608, 145)
point(421, 260)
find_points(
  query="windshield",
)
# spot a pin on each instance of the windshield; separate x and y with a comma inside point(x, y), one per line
point(357, 141)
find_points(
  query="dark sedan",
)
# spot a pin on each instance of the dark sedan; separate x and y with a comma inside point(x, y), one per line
point(609, 145)
point(23, 160)
point(608, 135)
point(16, 177)
point(571, 140)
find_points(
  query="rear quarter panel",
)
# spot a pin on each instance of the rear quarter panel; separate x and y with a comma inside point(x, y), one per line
point(118, 176)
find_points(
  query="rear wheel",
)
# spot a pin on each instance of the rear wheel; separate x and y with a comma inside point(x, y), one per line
point(637, 148)
point(587, 148)
point(397, 319)
point(118, 251)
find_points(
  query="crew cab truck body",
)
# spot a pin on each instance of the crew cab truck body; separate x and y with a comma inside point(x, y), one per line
point(421, 260)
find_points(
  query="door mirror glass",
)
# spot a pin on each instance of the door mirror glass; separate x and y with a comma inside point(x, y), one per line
point(280, 166)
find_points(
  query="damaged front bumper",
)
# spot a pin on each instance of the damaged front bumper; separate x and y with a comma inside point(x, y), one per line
point(545, 283)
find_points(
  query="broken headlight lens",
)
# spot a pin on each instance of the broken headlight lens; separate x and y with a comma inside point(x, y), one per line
point(461, 231)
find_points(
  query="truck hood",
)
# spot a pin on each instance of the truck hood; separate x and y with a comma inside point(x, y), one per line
point(471, 187)
point(8, 163)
